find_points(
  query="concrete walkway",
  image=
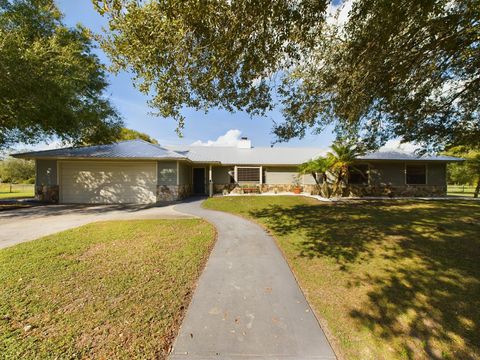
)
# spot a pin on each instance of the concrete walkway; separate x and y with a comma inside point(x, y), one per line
point(247, 303)
point(22, 225)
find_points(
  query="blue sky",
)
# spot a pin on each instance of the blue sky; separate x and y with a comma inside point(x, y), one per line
point(199, 126)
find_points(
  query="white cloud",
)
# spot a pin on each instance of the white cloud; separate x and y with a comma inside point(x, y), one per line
point(230, 138)
point(396, 145)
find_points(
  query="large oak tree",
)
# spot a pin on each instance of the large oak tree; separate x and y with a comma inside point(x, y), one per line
point(407, 69)
point(51, 84)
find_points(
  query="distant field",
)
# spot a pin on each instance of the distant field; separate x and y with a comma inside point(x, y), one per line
point(13, 191)
point(460, 190)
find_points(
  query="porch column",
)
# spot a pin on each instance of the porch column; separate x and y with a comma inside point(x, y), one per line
point(210, 181)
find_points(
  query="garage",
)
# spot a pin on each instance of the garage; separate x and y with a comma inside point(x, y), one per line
point(107, 182)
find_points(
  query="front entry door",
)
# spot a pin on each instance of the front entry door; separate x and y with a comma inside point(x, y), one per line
point(199, 180)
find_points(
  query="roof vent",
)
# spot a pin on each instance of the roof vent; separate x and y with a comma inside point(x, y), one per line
point(244, 143)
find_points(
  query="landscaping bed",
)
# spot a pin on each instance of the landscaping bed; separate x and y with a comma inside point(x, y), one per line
point(106, 290)
point(391, 279)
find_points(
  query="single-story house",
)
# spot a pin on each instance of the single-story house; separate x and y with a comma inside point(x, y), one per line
point(136, 171)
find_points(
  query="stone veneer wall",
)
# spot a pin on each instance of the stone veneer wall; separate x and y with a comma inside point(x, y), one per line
point(349, 191)
point(47, 193)
point(173, 192)
point(396, 191)
point(219, 188)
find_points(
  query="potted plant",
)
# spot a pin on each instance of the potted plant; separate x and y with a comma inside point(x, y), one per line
point(297, 189)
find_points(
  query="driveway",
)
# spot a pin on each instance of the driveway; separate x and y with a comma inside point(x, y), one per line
point(247, 303)
point(22, 225)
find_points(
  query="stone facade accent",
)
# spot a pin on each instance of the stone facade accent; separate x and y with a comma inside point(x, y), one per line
point(173, 192)
point(47, 193)
point(219, 188)
point(396, 191)
point(348, 191)
point(273, 188)
point(277, 188)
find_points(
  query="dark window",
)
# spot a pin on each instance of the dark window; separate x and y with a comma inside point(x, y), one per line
point(416, 174)
point(358, 174)
point(248, 174)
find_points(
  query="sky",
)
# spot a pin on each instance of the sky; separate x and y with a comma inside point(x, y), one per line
point(200, 128)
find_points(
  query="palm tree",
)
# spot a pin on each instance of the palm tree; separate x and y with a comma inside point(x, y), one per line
point(318, 168)
point(341, 159)
point(337, 163)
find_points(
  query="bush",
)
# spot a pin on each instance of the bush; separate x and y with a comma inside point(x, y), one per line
point(17, 170)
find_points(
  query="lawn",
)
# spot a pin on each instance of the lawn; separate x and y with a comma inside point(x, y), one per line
point(106, 290)
point(461, 190)
point(16, 191)
point(16, 195)
point(390, 280)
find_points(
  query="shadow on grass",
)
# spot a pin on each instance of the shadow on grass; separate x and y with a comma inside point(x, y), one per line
point(421, 261)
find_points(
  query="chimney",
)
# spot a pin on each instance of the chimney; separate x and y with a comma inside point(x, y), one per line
point(244, 143)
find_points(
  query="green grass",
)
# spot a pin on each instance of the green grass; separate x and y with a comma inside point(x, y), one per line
point(107, 290)
point(16, 195)
point(16, 191)
point(460, 190)
point(391, 280)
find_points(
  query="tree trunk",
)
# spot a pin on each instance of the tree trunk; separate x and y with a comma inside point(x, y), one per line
point(477, 189)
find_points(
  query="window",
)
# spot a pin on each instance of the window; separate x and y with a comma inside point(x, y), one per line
point(416, 174)
point(248, 174)
point(358, 174)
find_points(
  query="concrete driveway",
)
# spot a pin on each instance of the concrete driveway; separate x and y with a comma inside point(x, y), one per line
point(22, 225)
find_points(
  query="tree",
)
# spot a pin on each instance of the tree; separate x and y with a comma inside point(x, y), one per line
point(336, 166)
point(341, 159)
point(407, 69)
point(205, 54)
point(474, 165)
point(51, 84)
point(467, 172)
point(318, 168)
point(130, 134)
point(17, 170)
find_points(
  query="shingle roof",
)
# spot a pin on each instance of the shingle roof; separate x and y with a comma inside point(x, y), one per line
point(139, 149)
point(124, 150)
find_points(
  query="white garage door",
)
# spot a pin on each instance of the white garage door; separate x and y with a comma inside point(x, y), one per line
point(107, 182)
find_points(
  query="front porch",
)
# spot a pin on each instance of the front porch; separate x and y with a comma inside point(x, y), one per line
point(212, 178)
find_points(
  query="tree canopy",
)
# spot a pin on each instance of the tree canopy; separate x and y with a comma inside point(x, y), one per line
point(17, 170)
point(408, 69)
point(130, 134)
point(51, 83)
point(467, 172)
point(205, 54)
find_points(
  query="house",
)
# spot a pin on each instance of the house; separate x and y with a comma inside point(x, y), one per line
point(140, 172)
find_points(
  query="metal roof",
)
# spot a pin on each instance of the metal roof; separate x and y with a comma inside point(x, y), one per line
point(406, 156)
point(140, 149)
point(252, 156)
point(121, 150)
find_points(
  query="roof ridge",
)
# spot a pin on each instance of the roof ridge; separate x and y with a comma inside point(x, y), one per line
point(158, 146)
